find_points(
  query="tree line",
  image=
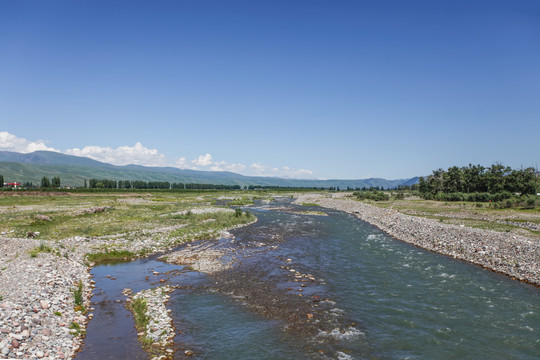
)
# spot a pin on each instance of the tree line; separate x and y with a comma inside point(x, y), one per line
point(151, 185)
point(479, 183)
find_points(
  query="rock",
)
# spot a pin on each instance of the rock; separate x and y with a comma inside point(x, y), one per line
point(188, 353)
point(44, 304)
point(14, 343)
point(47, 332)
point(43, 217)
point(40, 354)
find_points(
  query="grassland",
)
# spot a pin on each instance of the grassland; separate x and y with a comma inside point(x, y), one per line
point(170, 217)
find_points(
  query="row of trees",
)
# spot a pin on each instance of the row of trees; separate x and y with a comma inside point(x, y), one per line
point(496, 179)
point(126, 184)
point(139, 184)
point(52, 183)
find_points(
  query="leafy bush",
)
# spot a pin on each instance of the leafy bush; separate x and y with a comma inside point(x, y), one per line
point(238, 212)
point(529, 202)
point(374, 195)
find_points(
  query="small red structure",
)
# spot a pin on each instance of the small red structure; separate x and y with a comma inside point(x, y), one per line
point(13, 184)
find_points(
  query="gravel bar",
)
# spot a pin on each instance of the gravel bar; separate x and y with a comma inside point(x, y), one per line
point(514, 255)
point(160, 331)
point(38, 319)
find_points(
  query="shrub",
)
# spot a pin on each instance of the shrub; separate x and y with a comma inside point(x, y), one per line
point(374, 195)
point(529, 202)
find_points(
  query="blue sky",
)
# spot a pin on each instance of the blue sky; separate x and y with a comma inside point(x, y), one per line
point(308, 89)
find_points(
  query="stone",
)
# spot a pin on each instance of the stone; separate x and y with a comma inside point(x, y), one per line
point(44, 304)
point(40, 354)
point(188, 353)
point(14, 343)
point(47, 332)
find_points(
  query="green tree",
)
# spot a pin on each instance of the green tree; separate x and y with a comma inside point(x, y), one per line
point(1, 180)
point(55, 182)
point(45, 182)
point(453, 180)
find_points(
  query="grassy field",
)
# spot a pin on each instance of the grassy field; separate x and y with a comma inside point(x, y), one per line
point(477, 215)
point(55, 216)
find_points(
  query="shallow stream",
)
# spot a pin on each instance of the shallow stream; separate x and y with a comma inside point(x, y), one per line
point(323, 287)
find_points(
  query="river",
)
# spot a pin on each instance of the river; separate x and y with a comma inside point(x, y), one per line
point(323, 287)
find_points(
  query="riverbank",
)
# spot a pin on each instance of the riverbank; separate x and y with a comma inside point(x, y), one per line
point(42, 313)
point(45, 281)
point(513, 255)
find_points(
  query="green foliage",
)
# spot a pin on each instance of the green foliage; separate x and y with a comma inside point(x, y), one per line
point(530, 202)
point(240, 202)
point(238, 212)
point(477, 183)
point(77, 294)
point(42, 248)
point(45, 182)
point(74, 326)
point(55, 182)
point(139, 308)
point(374, 195)
point(1, 181)
point(112, 255)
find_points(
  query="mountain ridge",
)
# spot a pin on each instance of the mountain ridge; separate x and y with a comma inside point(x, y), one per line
point(73, 170)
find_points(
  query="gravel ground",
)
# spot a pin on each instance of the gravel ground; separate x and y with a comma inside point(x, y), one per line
point(37, 315)
point(513, 255)
point(38, 319)
point(159, 331)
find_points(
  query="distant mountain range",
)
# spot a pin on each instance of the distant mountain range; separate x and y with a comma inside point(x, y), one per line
point(73, 170)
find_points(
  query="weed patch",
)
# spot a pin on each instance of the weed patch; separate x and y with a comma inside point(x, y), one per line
point(139, 308)
point(112, 255)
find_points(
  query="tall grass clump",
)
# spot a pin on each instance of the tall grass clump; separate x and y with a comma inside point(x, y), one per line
point(78, 297)
point(139, 308)
point(39, 249)
point(112, 255)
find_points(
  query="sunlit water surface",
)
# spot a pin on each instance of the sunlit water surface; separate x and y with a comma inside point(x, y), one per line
point(373, 298)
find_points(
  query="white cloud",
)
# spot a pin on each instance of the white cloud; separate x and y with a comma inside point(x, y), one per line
point(122, 155)
point(141, 155)
point(10, 142)
point(225, 166)
point(181, 163)
point(286, 171)
point(259, 169)
point(202, 160)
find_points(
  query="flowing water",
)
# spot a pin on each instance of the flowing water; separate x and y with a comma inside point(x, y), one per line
point(324, 287)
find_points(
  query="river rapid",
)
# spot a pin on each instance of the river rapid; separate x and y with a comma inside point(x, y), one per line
point(322, 287)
